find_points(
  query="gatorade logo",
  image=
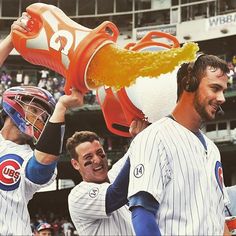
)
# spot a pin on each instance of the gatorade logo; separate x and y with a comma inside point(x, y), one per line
point(57, 43)
point(61, 36)
point(10, 172)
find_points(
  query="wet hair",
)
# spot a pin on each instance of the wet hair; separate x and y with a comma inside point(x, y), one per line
point(190, 74)
point(78, 138)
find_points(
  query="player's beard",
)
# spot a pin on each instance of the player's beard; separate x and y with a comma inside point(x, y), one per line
point(201, 108)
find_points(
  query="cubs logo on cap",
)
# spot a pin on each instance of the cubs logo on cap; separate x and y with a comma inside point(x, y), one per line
point(10, 165)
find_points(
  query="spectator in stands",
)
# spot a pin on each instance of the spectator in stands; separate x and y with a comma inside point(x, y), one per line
point(56, 227)
point(44, 74)
point(5, 80)
point(67, 227)
point(96, 206)
point(42, 83)
point(44, 229)
point(230, 74)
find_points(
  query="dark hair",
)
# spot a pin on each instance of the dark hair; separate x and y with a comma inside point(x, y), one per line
point(3, 116)
point(78, 138)
point(197, 70)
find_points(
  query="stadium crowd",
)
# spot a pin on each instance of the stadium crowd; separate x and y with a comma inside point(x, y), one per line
point(61, 225)
point(53, 84)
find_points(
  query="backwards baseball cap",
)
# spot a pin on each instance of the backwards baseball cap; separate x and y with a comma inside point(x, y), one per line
point(43, 226)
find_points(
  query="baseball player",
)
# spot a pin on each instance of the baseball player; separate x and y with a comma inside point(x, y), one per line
point(26, 110)
point(96, 206)
point(176, 179)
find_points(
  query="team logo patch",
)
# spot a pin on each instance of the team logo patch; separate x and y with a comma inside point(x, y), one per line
point(93, 192)
point(139, 171)
point(219, 174)
point(10, 165)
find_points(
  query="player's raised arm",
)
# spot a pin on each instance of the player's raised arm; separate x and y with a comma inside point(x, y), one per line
point(49, 146)
point(116, 195)
point(42, 164)
point(6, 45)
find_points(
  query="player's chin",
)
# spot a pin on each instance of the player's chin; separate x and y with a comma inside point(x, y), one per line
point(210, 114)
point(101, 179)
point(101, 174)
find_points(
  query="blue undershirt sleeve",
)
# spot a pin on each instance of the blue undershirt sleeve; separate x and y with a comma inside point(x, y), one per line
point(116, 195)
point(144, 208)
point(39, 173)
point(144, 222)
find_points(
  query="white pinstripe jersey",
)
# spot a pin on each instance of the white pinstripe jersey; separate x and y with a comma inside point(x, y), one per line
point(15, 189)
point(169, 161)
point(87, 209)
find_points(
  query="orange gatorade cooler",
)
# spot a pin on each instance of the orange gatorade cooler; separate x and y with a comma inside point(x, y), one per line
point(231, 223)
point(59, 43)
point(89, 58)
point(121, 106)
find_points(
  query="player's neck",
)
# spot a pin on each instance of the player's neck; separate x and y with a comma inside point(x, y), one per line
point(10, 132)
point(187, 117)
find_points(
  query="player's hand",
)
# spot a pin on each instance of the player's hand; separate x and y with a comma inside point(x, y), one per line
point(75, 99)
point(21, 23)
point(226, 231)
point(137, 126)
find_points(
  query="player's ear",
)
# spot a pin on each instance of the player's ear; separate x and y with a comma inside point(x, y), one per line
point(75, 164)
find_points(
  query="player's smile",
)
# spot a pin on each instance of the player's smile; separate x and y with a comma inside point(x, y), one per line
point(98, 168)
point(214, 108)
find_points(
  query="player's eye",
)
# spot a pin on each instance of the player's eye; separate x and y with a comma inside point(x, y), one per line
point(88, 162)
point(88, 157)
point(101, 154)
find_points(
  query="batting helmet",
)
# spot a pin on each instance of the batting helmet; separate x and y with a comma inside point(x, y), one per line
point(29, 108)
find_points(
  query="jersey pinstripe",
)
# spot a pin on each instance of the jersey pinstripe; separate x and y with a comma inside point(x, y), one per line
point(87, 209)
point(15, 189)
point(170, 162)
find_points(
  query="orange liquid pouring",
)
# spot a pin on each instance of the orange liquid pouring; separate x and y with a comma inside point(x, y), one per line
point(117, 68)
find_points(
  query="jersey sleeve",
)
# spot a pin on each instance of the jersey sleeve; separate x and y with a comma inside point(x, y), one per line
point(87, 201)
point(150, 169)
point(30, 187)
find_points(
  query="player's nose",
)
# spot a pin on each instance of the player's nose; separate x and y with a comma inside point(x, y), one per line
point(96, 159)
